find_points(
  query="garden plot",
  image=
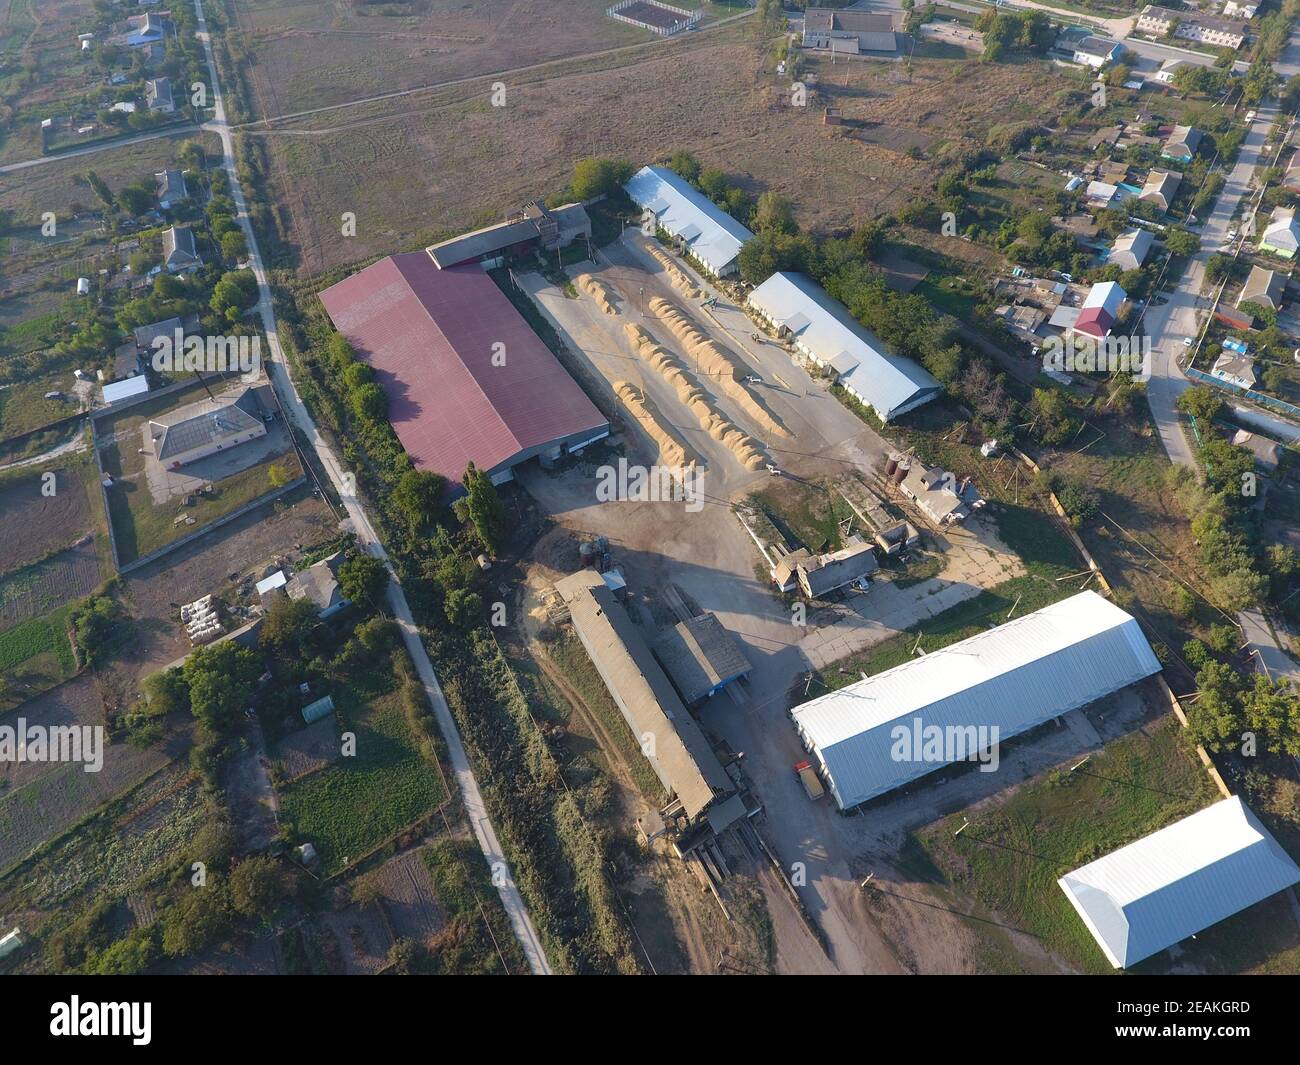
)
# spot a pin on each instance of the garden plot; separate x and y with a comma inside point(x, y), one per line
point(33, 523)
point(309, 749)
point(45, 586)
point(406, 893)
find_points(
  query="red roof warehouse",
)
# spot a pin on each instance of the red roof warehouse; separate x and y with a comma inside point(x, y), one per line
point(467, 379)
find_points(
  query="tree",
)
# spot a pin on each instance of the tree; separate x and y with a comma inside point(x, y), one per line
point(220, 678)
point(288, 627)
point(136, 199)
point(95, 622)
point(486, 510)
point(197, 919)
point(463, 607)
point(364, 579)
point(1181, 242)
point(235, 293)
point(166, 691)
point(1201, 402)
point(1053, 422)
point(369, 403)
point(1217, 267)
point(598, 177)
point(101, 189)
point(256, 887)
point(233, 246)
point(685, 165)
point(418, 498)
point(774, 214)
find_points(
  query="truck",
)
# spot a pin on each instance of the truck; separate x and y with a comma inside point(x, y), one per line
point(808, 777)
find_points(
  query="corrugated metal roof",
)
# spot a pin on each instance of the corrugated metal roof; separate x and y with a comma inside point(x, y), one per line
point(699, 655)
point(430, 335)
point(120, 390)
point(1176, 882)
point(889, 383)
point(1014, 677)
point(684, 210)
point(681, 756)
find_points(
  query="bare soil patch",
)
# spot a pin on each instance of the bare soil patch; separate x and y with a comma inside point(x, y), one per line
point(32, 523)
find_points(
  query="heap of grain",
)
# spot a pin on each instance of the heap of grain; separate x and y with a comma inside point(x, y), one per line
point(671, 449)
point(747, 450)
point(597, 290)
point(679, 278)
point(713, 360)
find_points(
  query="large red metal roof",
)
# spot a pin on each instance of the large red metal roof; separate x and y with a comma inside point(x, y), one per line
point(431, 336)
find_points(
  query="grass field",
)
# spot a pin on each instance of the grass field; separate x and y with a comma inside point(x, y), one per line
point(1058, 822)
point(807, 514)
point(351, 807)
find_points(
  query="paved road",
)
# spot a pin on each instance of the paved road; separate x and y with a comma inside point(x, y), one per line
point(103, 146)
point(471, 797)
point(1178, 318)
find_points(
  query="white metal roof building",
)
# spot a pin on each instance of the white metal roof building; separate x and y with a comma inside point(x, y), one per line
point(1012, 678)
point(822, 328)
point(711, 235)
point(1174, 883)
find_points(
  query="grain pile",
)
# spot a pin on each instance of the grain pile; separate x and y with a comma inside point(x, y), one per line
point(747, 450)
point(680, 279)
point(672, 450)
point(597, 290)
point(715, 361)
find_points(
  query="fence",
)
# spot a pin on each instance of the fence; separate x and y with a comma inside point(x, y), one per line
point(1279, 405)
point(685, 19)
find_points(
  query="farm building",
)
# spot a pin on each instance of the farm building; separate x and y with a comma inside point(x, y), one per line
point(939, 495)
point(1130, 249)
point(467, 380)
point(179, 251)
point(681, 755)
point(711, 235)
point(532, 227)
point(117, 391)
point(1263, 287)
point(848, 32)
point(1160, 188)
point(823, 329)
point(700, 657)
point(201, 429)
point(1009, 679)
point(1156, 892)
point(820, 575)
point(319, 584)
point(171, 188)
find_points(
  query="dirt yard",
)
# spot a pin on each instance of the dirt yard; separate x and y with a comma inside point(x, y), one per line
point(32, 524)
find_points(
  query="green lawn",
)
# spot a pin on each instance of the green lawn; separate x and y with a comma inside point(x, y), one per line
point(1010, 857)
point(347, 809)
point(808, 514)
point(36, 655)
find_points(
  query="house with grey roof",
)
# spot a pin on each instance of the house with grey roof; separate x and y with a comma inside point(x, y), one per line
point(319, 585)
point(1130, 249)
point(849, 32)
point(158, 95)
point(1160, 188)
point(202, 429)
point(171, 188)
point(179, 250)
point(1181, 144)
point(1263, 287)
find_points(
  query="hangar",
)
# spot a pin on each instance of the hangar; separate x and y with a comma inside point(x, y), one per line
point(822, 328)
point(711, 235)
point(1010, 679)
point(1142, 898)
point(467, 379)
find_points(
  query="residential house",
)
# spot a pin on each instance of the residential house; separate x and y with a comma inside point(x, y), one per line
point(1236, 369)
point(1240, 10)
point(1291, 179)
point(1268, 453)
point(148, 30)
point(1169, 70)
point(179, 251)
point(1096, 52)
point(1160, 188)
point(319, 585)
point(1281, 236)
point(1264, 288)
point(1130, 249)
point(171, 188)
point(1182, 144)
point(158, 95)
point(1100, 310)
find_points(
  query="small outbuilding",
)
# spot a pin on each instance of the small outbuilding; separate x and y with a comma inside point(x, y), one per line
point(700, 657)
